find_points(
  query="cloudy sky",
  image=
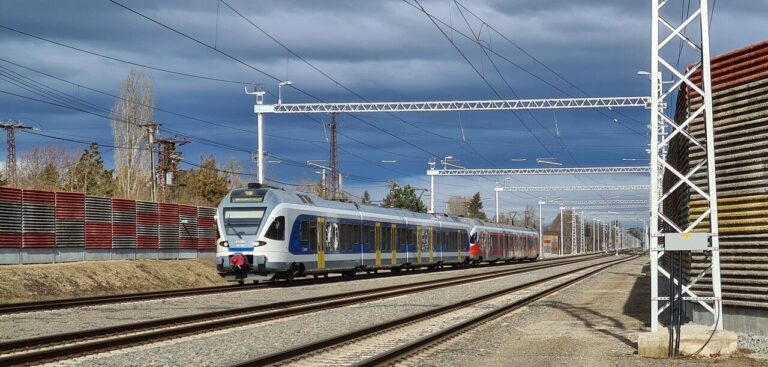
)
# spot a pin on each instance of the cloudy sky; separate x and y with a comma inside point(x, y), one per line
point(201, 53)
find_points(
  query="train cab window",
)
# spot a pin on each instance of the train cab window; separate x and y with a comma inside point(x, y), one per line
point(473, 238)
point(276, 230)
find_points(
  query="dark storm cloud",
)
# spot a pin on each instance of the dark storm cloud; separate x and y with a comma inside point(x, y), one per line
point(383, 50)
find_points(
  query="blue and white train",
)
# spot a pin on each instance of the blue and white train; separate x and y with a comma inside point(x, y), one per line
point(267, 233)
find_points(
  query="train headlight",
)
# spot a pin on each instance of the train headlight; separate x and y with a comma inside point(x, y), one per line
point(259, 243)
point(224, 243)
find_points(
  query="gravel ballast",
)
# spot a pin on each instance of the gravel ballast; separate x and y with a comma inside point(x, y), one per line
point(236, 345)
point(593, 323)
point(27, 325)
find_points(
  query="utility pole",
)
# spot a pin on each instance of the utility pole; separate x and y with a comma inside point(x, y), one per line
point(168, 160)
point(151, 130)
point(562, 239)
point(10, 161)
point(334, 158)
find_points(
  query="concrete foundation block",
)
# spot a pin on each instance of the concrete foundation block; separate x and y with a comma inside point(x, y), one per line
point(168, 254)
point(69, 254)
point(185, 254)
point(98, 254)
point(10, 256)
point(123, 254)
point(147, 254)
point(693, 337)
point(37, 255)
point(206, 254)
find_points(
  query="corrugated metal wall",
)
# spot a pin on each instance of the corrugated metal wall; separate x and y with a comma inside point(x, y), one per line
point(40, 226)
point(740, 86)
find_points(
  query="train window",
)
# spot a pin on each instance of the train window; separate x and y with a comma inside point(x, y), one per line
point(312, 232)
point(346, 237)
point(371, 237)
point(276, 230)
point(304, 231)
point(442, 238)
point(386, 241)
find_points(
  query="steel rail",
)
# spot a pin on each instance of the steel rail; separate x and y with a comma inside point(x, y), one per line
point(414, 346)
point(311, 348)
point(11, 308)
point(68, 345)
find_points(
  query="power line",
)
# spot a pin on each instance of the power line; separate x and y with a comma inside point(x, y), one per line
point(481, 75)
point(453, 29)
point(124, 61)
point(185, 35)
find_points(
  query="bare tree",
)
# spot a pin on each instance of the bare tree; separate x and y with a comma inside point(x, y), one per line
point(529, 216)
point(44, 167)
point(457, 205)
point(134, 108)
point(234, 169)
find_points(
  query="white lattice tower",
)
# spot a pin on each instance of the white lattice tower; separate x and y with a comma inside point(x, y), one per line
point(696, 24)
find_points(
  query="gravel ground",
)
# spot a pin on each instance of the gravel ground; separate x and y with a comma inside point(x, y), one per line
point(757, 344)
point(366, 348)
point(594, 323)
point(236, 345)
point(19, 326)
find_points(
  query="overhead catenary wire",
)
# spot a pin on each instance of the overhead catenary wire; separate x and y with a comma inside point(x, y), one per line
point(496, 92)
point(517, 65)
point(124, 61)
point(240, 61)
point(534, 58)
point(121, 60)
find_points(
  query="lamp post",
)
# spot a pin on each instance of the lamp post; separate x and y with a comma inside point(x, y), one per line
point(259, 92)
point(541, 231)
point(280, 90)
point(560, 250)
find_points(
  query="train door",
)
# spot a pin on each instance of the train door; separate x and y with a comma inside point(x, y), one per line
point(394, 244)
point(458, 244)
point(431, 245)
point(320, 243)
point(417, 243)
point(377, 244)
point(513, 245)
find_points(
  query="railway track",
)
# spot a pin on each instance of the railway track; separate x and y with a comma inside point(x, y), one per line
point(399, 339)
point(70, 345)
point(11, 308)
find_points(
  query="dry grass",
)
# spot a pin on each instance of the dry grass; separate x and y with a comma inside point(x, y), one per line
point(24, 283)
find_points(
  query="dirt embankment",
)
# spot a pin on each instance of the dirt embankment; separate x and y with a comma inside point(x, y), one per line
point(25, 283)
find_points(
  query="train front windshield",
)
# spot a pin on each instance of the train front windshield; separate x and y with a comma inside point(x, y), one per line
point(243, 221)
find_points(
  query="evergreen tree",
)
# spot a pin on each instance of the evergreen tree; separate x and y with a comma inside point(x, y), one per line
point(88, 175)
point(475, 207)
point(404, 198)
point(366, 198)
point(49, 178)
point(204, 185)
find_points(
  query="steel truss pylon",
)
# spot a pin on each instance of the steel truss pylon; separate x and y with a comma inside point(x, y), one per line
point(572, 188)
point(659, 223)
